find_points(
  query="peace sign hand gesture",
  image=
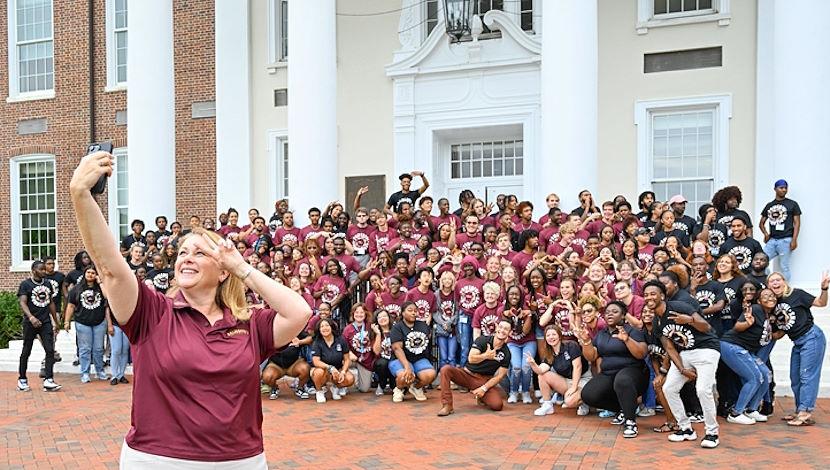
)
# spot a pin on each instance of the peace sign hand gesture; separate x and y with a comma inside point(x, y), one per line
point(825, 280)
point(223, 252)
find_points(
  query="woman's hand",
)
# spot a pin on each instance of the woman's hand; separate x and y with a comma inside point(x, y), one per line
point(224, 253)
point(90, 170)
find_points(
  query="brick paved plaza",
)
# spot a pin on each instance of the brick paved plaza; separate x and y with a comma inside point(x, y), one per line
point(83, 427)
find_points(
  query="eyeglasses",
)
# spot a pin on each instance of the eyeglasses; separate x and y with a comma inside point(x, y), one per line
point(619, 288)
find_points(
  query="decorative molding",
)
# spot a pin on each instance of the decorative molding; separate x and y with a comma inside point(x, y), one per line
point(409, 34)
point(721, 12)
point(499, 20)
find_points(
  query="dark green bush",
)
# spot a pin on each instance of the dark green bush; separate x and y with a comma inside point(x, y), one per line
point(10, 315)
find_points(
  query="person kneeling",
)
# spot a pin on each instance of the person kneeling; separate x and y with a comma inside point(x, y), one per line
point(289, 362)
point(487, 365)
point(412, 366)
point(330, 357)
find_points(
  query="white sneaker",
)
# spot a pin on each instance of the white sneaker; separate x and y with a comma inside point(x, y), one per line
point(583, 410)
point(335, 393)
point(418, 393)
point(85, 378)
point(379, 391)
point(23, 385)
point(49, 385)
point(537, 393)
point(342, 391)
point(321, 397)
point(513, 397)
point(740, 419)
point(646, 412)
point(526, 398)
point(757, 416)
point(545, 409)
point(397, 395)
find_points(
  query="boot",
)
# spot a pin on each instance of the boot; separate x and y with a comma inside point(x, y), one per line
point(446, 410)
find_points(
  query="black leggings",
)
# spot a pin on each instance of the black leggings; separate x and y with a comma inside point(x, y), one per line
point(384, 375)
point(46, 337)
point(617, 392)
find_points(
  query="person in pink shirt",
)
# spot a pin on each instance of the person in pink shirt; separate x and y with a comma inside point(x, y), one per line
point(552, 202)
point(590, 319)
point(529, 241)
point(445, 242)
point(405, 243)
point(393, 298)
point(487, 315)
point(230, 230)
point(360, 337)
point(525, 212)
point(471, 234)
point(635, 303)
point(504, 249)
point(550, 230)
point(423, 296)
point(331, 287)
point(314, 225)
point(287, 234)
point(168, 333)
point(379, 239)
point(445, 216)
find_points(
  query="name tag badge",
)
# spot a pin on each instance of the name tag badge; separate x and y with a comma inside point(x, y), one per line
point(779, 227)
point(463, 319)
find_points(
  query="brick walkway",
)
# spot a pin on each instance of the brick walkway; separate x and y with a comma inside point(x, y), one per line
point(83, 426)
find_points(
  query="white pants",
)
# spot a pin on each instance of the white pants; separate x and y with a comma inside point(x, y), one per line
point(705, 363)
point(132, 459)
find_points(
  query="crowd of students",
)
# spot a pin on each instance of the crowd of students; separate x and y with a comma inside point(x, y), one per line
point(629, 313)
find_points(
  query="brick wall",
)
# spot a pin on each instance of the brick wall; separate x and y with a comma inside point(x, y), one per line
point(194, 56)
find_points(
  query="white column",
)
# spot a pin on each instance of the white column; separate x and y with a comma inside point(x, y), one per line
point(233, 106)
point(801, 97)
point(151, 132)
point(312, 105)
point(569, 100)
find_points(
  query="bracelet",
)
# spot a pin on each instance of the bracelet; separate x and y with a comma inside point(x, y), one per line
point(330, 368)
point(247, 273)
point(484, 387)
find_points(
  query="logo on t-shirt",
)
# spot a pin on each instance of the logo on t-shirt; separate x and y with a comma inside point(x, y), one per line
point(447, 307)
point(90, 299)
point(784, 316)
point(766, 336)
point(469, 297)
point(290, 239)
point(330, 291)
point(386, 348)
point(563, 319)
point(679, 335)
point(743, 256)
point(681, 226)
point(161, 281)
point(489, 323)
point(394, 310)
point(360, 241)
point(646, 258)
point(416, 342)
point(54, 285)
point(656, 350)
point(705, 298)
point(499, 355)
point(716, 238)
point(423, 309)
point(41, 296)
point(360, 341)
point(777, 214)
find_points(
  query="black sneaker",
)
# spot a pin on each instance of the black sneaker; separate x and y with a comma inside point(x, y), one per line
point(76, 362)
point(630, 428)
point(123, 380)
point(696, 418)
point(114, 381)
point(767, 408)
point(618, 420)
point(683, 435)
point(710, 441)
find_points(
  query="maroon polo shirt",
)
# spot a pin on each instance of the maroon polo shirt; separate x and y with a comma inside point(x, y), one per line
point(196, 387)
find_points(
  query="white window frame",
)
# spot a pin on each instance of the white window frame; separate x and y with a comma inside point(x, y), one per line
point(112, 55)
point(643, 112)
point(277, 138)
point(14, 86)
point(511, 7)
point(721, 12)
point(276, 32)
point(112, 193)
point(18, 264)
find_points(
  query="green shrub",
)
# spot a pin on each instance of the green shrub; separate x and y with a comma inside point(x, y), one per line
point(10, 315)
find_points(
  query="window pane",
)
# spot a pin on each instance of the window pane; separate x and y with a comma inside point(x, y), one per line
point(675, 6)
point(660, 7)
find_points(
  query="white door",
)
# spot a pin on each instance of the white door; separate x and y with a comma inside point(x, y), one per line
point(486, 168)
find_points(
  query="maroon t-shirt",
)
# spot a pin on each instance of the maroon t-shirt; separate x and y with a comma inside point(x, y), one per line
point(196, 387)
point(487, 319)
point(445, 219)
point(332, 286)
point(227, 230)
point(463, 240)
point(357, 337)
point(348, 264)
point(290, 236)
point(309, 230)
point(646, 255)
point(556, 249)
point(426, 303)
point(520, 261)
point(469, 294)
point(393, 304)
point(548, 236)
point(359, 238)
point(378, 241)
point(403, 245)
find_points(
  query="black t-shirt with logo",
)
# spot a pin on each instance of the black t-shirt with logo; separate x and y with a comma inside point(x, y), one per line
point(563, 363)
point(660, 237)
point(128, 241)
point(38, 297)
point(732, 291)
point(489, 367)
point(756, 336)
point(614, 353)
point(73, 278)
point(708, 294)
point(682, 295)
point(415, 340)
point(289, 354)
point(792, 314)
point(684, 337)
point(56, 281)
point(685, 223)
point(159, 278)
point(90, 304)
point(655, 347)
point(717, 235)
point(725, 218)
point(742, 250)
point(332, 355)
point(398, 197)
point(779, 215)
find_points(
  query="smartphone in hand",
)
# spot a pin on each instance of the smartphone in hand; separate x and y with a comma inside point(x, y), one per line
point(101, 184)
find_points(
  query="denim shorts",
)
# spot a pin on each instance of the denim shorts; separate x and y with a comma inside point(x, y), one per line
point(395, 366)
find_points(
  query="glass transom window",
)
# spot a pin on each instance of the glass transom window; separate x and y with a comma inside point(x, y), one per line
point(487, 159)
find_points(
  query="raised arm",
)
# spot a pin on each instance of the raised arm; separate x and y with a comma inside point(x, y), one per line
point(117, 280)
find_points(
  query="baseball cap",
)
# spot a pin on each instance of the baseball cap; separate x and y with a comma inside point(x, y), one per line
point(677, 198)
point(642, 231)
point(781, 183)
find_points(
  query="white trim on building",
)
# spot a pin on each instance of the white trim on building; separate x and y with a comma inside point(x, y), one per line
point(118, 196)
point(720, 11)
point(116, 38)
point(277, 35)
point(276, 177)
point(42, 196)
point(44, 62)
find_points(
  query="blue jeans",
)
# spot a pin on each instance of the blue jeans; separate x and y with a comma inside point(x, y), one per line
point(465, 337)
point(753, 373)
point(650, 397)
point(91, 346)
point(120, 351)
point(447, 350)
point(805, 368)
point(395, 366)
point(520, 373)
point(780, 247)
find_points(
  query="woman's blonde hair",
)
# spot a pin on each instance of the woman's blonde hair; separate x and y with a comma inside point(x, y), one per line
point(231, 292)
point(787, 288)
